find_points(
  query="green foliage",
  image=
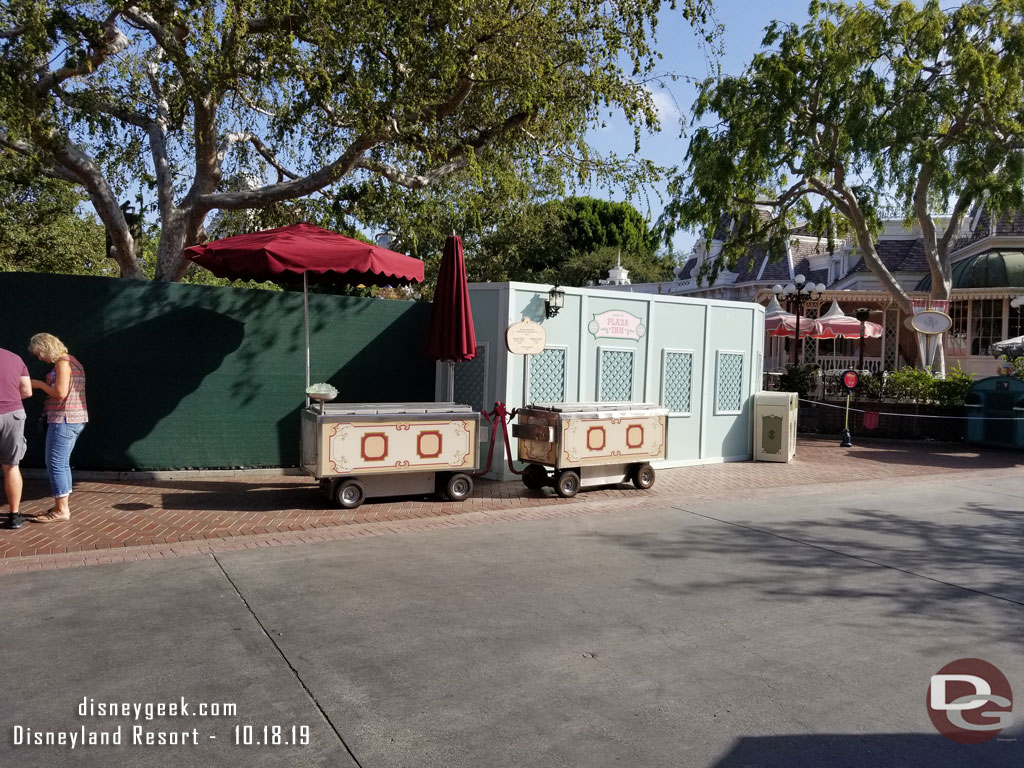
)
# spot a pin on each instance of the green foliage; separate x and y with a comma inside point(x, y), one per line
point(866, 110)
point(909, 385)
point(395, 112)
point(802, 379)
point(1016, 366)
point(915, 385)
point(951, 390)
point(41, 229)
point(871, 387)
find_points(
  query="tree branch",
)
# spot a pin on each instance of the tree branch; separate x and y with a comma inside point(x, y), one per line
point(269, 156)
point(287, 190)
point(114, 41)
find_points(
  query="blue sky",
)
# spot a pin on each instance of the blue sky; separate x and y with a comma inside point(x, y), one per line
point(744, 22)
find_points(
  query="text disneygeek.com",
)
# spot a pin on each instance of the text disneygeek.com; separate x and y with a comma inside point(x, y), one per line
point(238, 734)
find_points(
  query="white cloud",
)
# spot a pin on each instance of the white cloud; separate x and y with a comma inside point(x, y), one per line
point(664, 104)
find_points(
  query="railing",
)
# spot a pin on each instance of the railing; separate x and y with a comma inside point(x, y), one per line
point(842, 363)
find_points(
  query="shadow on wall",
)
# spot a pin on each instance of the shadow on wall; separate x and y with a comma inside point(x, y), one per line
point(859, 750)
point(170, 357)
point(390, 365)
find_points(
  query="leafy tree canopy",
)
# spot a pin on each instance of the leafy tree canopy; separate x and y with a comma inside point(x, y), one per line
point(41, 229)
point(347, 102)
point(863, 110)
point(571, 241)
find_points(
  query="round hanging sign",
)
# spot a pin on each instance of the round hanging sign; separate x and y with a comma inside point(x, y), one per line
point(851, 379)
point(525, 338)
point(931, 321)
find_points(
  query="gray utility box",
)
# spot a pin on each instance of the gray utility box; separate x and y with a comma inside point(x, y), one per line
point(775, 426)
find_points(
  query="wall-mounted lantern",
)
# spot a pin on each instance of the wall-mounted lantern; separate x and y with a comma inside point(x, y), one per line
point(555, 301)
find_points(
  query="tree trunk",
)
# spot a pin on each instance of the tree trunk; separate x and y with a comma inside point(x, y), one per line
point(171, 262)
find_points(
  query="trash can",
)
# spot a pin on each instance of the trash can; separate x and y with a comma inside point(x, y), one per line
point(775, 426)
point(999, 400)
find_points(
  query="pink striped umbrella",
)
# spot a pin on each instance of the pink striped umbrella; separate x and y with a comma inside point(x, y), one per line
point(835, 325)
point(779, 322)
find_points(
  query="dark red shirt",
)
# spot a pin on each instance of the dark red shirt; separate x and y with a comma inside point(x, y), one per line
point(12, 368)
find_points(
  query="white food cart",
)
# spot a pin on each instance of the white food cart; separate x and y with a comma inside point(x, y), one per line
point(588, 444)
point(361, 450)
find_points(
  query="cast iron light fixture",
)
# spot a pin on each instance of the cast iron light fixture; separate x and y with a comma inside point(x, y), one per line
point(796, 293)
point(555, 301)
point(1017, 302)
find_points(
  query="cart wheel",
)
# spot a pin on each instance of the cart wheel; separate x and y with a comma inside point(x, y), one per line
point(568, 484)
point(643, 476)
point(349, 494)
point(459, 487)
point(535, 477)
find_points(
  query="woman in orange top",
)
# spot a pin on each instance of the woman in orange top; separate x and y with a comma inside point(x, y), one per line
point(66, 416)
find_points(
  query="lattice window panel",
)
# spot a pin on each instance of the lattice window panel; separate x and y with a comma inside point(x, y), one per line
point(470, 379)
point(809, 352)
point(729, 387)
point(678, 381)
point(891, 340)
point(547, 376)
point(616, 375)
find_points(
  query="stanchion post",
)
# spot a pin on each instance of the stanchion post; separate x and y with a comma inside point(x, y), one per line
point(850, 380)
point(847, 441)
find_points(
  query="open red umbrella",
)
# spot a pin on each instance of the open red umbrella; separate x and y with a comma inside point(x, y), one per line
point(451, 336)
point(305, 249)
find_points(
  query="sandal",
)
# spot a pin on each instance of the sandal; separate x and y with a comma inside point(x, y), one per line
point(52, 517)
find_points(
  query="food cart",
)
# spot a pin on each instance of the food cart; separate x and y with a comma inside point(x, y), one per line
point(363, 450)
point(588, 444)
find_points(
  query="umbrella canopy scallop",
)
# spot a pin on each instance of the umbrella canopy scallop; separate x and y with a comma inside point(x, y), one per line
point(779, 322)
point(297, 249)
point(835, 325)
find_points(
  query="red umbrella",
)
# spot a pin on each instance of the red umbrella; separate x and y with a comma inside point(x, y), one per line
point(452, 337)
point(307, 250)
point(835, 325)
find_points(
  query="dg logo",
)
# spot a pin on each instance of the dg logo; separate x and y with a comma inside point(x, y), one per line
point(970, 701)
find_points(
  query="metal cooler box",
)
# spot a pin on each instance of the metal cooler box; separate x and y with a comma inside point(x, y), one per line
point(360, 450)
point(588, 444)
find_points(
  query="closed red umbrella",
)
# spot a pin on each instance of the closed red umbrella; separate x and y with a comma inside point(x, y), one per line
point(451, 335)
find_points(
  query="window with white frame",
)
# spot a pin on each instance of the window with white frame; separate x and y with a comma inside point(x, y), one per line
point(956, 337)
point(729, 383)
point(677, 381)
point(615, 375)
point(547, 375)
point(986, 324)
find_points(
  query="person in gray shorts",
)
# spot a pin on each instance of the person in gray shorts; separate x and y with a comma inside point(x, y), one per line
point(15, 386)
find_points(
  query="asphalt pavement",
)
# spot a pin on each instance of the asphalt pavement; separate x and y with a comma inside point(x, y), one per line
point(784, 631)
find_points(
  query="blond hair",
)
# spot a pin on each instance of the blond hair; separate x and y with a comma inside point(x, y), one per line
point(47, 347)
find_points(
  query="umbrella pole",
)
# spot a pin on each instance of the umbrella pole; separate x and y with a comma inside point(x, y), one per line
point(451, 381)
point(305, 317)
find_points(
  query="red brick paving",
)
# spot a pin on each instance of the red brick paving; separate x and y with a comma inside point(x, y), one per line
point(118, 522)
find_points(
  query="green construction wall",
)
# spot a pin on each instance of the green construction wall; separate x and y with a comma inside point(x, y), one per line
point(193, 377)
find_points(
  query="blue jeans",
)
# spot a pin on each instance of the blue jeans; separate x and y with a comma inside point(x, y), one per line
point(60, 440)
